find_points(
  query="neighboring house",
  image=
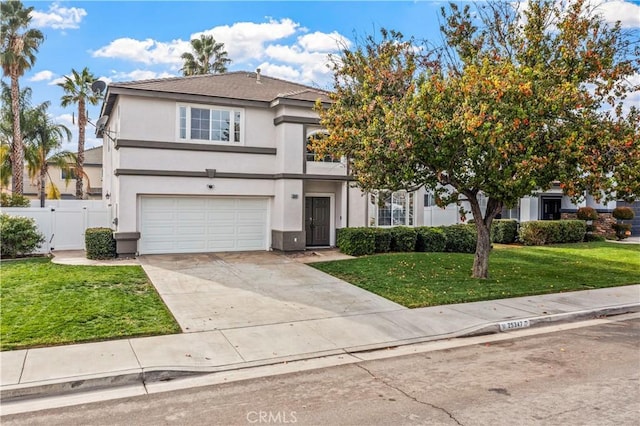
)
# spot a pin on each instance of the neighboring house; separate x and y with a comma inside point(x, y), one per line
point(546, 205)
point(92, 178)
point(220, 163)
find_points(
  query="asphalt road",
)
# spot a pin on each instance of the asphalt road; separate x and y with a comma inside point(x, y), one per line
point(584, 376)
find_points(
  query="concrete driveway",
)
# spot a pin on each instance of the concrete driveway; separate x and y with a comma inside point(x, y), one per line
point(217, 291)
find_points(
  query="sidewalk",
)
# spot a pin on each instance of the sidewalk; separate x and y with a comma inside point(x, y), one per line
point(83, 367)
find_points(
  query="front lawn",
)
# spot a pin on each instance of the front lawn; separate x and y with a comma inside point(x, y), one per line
point(428, 279)
point(48, 304)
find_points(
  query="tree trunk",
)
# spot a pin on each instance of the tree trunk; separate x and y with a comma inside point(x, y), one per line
point(483, 248)
point(17, 149)
point(483, 227)
point(82, 123)
point(43, 182)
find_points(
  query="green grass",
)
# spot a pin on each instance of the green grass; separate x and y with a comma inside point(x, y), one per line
point(46, 304)
point(428, 279)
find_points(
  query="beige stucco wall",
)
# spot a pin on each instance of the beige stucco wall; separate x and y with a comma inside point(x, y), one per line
point(162, 159)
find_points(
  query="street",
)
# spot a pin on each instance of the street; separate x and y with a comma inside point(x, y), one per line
point(582, 376)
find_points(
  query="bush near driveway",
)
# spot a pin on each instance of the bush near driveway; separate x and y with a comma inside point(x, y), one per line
point(540, 232)
point(18, 236)
point(357, 241)
point(99, 243)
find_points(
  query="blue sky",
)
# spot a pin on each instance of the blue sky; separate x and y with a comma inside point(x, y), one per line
point(134, 40)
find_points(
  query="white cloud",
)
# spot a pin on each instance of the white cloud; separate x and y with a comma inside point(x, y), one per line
point(42, 76)
point(147, 51)
point(617, 10)
point(139, 75)
point(56, 81)
point(312, 65)
point(323, 42)
point(58, 17)
point(285, 72)
point(242, 40)
point(246, 40)
point(247, 43)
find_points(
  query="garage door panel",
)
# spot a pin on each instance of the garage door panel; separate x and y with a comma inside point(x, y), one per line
point(195, 215)
point(192, 224)
point(250, 216)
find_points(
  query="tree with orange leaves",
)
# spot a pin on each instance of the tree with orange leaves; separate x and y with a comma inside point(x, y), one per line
point(517, 99)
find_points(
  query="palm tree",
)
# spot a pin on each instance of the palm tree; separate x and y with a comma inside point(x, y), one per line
point(5, 164)
point(43, 140)
point(208, 57)
point(6, 128)
point(19, 46)
point(77, 89)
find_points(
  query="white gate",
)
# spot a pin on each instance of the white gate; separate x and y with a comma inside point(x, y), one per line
point(63, 227)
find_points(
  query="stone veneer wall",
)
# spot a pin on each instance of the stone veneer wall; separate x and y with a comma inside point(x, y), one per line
point(601, 226)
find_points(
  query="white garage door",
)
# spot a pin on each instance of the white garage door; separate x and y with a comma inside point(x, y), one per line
point(201, 224)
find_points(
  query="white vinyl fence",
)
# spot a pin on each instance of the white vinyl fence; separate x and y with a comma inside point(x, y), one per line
point(63, 222)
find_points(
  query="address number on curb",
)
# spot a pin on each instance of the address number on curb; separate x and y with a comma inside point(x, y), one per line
point(511, 325)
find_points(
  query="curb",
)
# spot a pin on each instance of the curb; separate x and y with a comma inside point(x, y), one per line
point(142, 376)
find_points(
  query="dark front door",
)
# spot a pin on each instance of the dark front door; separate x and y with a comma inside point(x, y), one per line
point(317, 220)
point(551, 208)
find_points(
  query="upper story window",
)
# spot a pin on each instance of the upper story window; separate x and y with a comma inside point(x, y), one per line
point(69, 173)
point(312, 156)
point(395, 208)
point(214, 124)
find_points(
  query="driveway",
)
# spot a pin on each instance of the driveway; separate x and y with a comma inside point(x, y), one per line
point(216, 291)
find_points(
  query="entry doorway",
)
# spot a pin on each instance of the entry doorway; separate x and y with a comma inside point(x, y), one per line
point(551, 208)
point(317, 221)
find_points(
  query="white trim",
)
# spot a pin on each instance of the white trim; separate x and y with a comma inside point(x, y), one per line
point(332, 213)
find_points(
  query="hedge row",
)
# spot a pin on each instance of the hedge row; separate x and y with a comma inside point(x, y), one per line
point(361, 241)
point(542, 232)
point(456, 238)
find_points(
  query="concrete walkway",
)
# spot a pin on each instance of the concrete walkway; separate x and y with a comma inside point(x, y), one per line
point(304, 326)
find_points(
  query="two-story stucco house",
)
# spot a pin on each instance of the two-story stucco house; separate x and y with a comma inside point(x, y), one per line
point(220, 163)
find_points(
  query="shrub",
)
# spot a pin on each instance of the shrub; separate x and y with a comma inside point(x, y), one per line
point(587, 213)
point(99, 243)
point(403, 239)
point(430, 239)
point(460, 238)
point(623, 230)
point(382, 239)
point(541, 232)
point(623, 213)
point(572, 231)
point(18, 235)
point(14, 200)
point(588, 238)
point(504, 231)
point(357, 241)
